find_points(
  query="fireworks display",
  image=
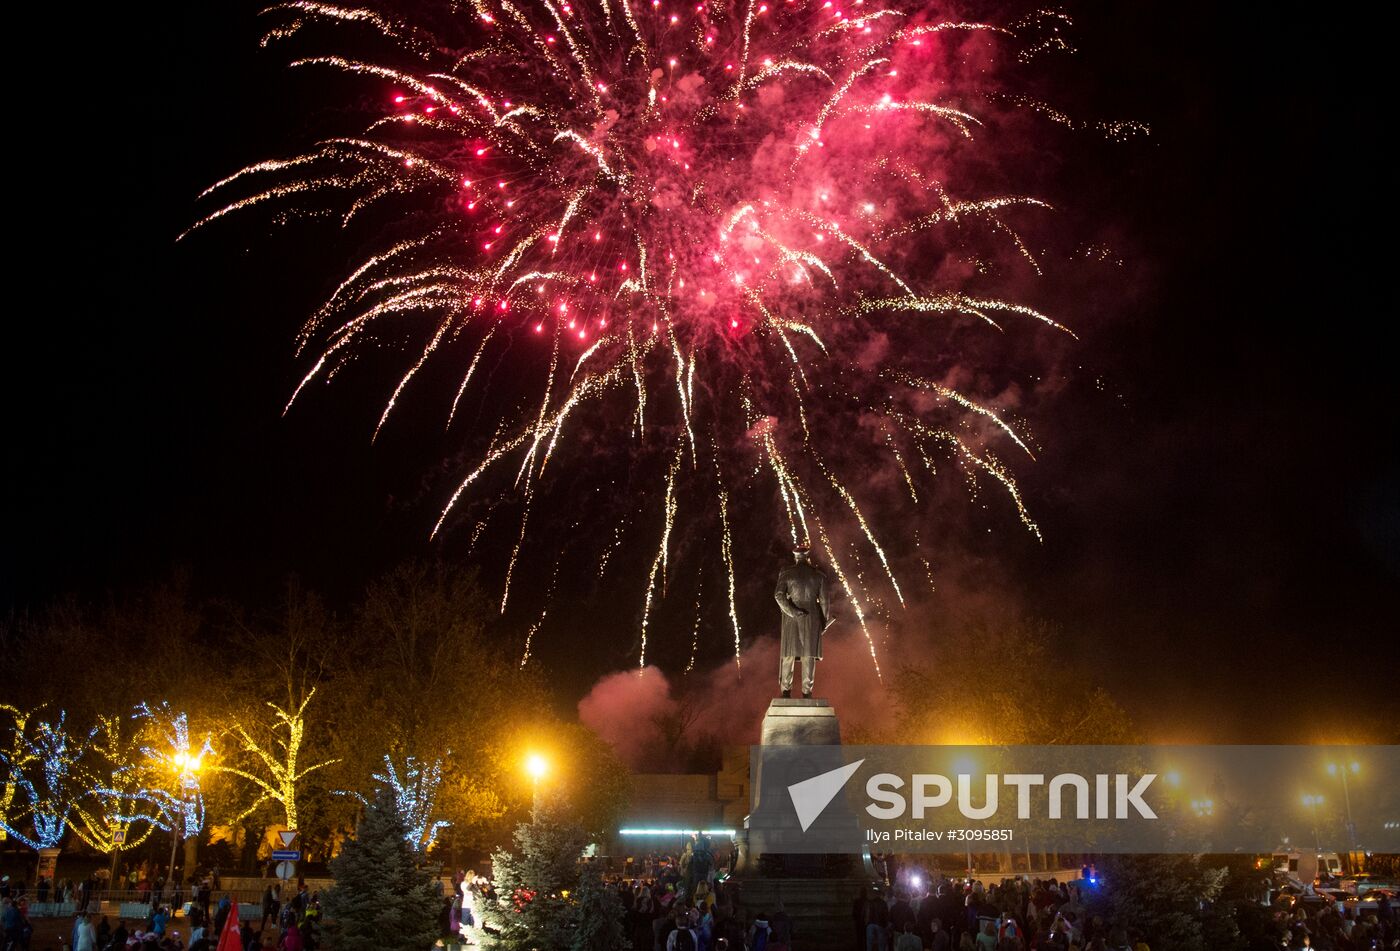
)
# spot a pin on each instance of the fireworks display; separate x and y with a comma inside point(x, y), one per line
point(714, 255)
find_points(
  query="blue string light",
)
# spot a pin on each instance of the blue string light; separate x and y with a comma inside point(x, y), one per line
point(415, 794)
point(50, 797)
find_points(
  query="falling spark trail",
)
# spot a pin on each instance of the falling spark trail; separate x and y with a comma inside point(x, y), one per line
point(727, 550)
point(658, 565)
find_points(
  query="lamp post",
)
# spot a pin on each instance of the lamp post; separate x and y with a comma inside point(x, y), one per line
point(1342, 770)
point(537, 766)
point(1313, 802)
point(188, 768)
point(965, 765)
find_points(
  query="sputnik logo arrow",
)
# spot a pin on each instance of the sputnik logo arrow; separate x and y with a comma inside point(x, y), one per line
point(811, 796)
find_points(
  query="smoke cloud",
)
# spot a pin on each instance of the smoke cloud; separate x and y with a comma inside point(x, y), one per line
point(661, 722)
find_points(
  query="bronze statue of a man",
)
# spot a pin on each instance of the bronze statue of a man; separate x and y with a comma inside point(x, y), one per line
point(801, 594)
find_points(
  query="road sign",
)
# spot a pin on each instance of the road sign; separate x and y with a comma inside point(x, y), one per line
point(286, 855)
point(288, 836)
point(119, 837)
point(285, 870)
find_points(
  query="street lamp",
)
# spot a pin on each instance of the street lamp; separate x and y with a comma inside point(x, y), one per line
point(966, 766)
point(1336, 770)
point(1313, 802)
point(537, 766)
point(188, 767)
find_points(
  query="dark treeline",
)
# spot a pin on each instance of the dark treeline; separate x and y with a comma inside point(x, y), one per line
point(287, 717)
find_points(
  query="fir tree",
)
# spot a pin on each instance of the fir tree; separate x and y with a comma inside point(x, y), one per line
point(382, 900)
point(536, 901)
point(598, 915)
point(1164, 897)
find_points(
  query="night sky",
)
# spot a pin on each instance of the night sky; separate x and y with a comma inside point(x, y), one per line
point(1220, 491)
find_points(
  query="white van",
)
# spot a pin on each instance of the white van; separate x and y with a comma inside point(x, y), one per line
point(1308, 868)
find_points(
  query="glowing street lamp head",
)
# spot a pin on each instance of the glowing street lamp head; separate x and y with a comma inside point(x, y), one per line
point(536, 766)
point(185, 762)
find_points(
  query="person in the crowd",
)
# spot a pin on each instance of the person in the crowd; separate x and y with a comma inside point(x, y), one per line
point(877, 925)
point(682, 936)
point(271, 907)
point(84, 934)
point(661, 928)
point(860, 917)
point(759, 932)
point(221, 913)
point(291, 939)
point(901, 913)
point(908, 939)
point(705, 928)
point(780, 928)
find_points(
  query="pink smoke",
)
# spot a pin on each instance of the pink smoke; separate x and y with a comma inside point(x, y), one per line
point(640, 712)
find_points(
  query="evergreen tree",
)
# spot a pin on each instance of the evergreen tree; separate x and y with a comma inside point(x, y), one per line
point(598, 914)
point(536, 901)
point(382, 900)
point(1167, 898)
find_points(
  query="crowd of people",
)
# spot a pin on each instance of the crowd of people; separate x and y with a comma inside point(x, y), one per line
point(293, 925)
point(1029, 915)
point(671, 909)
point(140, 883)
point(670, 914)
point(674, 905)
point(1299, 923)
point(1019, 914)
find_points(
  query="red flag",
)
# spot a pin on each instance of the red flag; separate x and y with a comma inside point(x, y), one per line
point(229, 938)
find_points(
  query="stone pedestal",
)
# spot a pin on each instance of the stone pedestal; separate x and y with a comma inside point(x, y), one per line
point(816, 890)
point(796, 723)
point(800, 723)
